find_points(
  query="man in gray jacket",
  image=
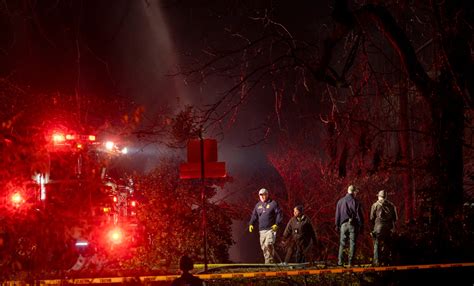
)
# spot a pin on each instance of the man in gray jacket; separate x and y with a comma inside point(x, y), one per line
point(383, 215)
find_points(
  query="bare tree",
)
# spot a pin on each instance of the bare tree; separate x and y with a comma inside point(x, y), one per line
point(366, 69)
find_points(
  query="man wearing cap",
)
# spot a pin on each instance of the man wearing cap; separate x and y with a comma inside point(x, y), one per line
point(269, 216)
point(349, 222)
point(383, 215)
point(300, 235)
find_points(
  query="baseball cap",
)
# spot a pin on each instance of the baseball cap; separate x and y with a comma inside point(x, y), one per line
point(263, 191)
point(382, 194)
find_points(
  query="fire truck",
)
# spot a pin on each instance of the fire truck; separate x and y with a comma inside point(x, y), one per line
point(71, 216)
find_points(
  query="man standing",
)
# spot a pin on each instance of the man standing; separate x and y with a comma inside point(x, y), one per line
point(349, 222)
point(300, 233)
point(269, 216)
point(383, 216)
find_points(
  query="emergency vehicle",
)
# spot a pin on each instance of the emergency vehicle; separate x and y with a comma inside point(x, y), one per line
point(74, 215)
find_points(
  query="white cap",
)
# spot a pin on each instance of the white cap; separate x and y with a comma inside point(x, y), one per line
point(263, 191)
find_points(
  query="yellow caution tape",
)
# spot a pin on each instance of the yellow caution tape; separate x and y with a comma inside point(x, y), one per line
point(261, 274)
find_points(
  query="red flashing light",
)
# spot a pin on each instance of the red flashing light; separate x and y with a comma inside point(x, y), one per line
point(17, 198)
point(133, 203)
point(116, 235)
point(91, 137)
point(109, 145)
point(115, 199)
point(79, 146)
point(69, 137)
point(59, 138)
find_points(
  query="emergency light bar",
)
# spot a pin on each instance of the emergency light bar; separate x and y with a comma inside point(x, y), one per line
point(59, 138)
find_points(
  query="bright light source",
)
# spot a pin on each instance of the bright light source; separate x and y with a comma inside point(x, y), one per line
point(106, 210)
point(91, 137)
point(69, 137)
point(115, 199)
point(79, 146)
point(17, 198)
point(42, 182)
point(124, 150)
point(81, 243)
point(133, 203)
point(109, 145)
point(58, 138)
point(116, 235)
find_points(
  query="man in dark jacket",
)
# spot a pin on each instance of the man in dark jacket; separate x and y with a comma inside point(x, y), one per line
point(383, 215)
point(349, 222)
point(300, 236)
point(269, 216)
point(186, 278)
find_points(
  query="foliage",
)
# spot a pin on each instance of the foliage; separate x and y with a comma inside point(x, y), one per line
point(170, 213)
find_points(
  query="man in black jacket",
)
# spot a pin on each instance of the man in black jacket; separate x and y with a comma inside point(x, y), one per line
point(300, 236)
point(349, 222)
point(186, 278)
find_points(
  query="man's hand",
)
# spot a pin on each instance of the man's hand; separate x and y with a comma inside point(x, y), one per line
point(250, 228)
point(274, 227)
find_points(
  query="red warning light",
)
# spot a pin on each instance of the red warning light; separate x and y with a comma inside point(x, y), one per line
point(16, 198)
point(58, 138)
point(116, 235)
point(133, 203)
point(91, 137)
point(115, 199)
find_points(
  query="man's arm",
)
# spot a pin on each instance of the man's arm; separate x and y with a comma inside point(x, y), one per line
point(372, 214)
point(394, 217)
point(288, 230)
point(395, 214)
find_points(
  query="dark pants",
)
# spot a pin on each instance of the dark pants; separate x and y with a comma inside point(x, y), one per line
point(298, 249)
point(382, 247)
point(348, 230)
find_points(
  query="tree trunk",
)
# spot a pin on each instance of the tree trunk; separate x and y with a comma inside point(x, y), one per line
point(406, 159)
point(448, 119)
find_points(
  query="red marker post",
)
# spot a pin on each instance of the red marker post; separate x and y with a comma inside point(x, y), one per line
point(202, 163)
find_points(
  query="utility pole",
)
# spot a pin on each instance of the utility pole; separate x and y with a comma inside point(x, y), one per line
point(203, 197)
